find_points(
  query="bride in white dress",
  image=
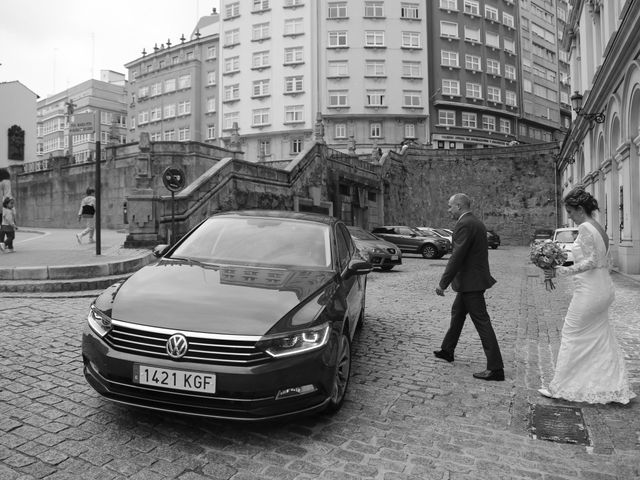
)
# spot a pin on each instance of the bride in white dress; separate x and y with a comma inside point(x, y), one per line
point(590, 365)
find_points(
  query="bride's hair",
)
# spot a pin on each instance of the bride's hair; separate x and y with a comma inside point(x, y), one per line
point(579, 197)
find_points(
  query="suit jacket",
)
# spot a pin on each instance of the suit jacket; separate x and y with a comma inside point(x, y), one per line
point(468, 267)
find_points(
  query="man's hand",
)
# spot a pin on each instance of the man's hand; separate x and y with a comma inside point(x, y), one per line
point(439, 291)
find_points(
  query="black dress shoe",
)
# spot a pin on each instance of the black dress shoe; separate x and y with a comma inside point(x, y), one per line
point(443, 355)
point(497, 375)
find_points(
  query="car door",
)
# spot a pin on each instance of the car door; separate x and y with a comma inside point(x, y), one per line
point(411, 242)
point(352, 287)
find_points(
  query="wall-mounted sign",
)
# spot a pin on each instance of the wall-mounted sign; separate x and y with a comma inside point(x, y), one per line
point(82, 123)
point(173, 178)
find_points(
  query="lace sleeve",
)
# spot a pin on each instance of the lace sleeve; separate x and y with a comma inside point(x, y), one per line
point(587, 243)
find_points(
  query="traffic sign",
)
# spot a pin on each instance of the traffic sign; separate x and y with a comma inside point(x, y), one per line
point(173, 178)
point(82, 123)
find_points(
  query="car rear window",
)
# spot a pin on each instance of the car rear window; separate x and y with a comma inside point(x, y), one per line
point(566, 236)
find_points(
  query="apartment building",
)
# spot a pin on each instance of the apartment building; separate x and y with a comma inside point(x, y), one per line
point(106, 98)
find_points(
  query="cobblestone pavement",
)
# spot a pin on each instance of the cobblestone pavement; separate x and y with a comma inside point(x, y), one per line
point(407, 415)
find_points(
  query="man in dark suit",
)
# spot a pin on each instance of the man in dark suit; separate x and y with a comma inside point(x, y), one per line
point(468, 274)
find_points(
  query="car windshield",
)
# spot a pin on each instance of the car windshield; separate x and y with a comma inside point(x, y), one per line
point(258, 241)
point(566, 236)
point(441, 232)
point(360, 234)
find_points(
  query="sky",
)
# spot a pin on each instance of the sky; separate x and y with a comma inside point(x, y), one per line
point(51, 45)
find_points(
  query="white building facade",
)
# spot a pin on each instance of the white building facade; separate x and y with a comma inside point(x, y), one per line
point(602, 151)
point(18, 107)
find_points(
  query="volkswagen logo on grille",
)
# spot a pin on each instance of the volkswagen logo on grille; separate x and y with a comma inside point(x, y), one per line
point(177, 346)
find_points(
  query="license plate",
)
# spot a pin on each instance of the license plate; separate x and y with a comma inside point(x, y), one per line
point(176, 379)
point(394, 257)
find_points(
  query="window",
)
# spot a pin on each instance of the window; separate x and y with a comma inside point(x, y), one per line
point(491, 13)
point(169, 111)
point(143, 117)
point(472, 7)
point(294, 113)
point(489, 122)
point(293, 3)
point(260, 31)
point(231, 92)
point(211, 104)
point(212, 52)
point(260, 59)
point(412, 98)
point(230, 118)
point(508, 20)
point(447, 118)
point(505, 126)
point(261, 88)
point(448, 59)
point(169, 135)
point(155, 115)
point(411, 69)
point(473, 90)
point(156, 89)
point(338, 68)
point(374, 38)
point(449, 4)
point(494, 94)
point(293, 26)
point(469, 120)
point(211, 78)
point(143, 92)
point(449, 29)
point(510, 72)
point(472, 34)
point(260, 117)
point(232, 37)
point(375, 98)
point(472, 62)
point(375, 130)
point(232, 64)
point(260, 5)
point(375, 68)
point(543, 33)
point(293, 55)
point(374, 9)
point(527, 86)
point(295, 145)
point(211, 132)
point(189, 55)
point(509, 45)
point(184, 81)
point(337, 10)
point(184, 134)
point(154, 137)
point(340, 130)
point(338, 98)
point(492, 40)
point(232, 10)
point(450, 87)
point(493, 66)
point(338, 39)
point(510, 98)
point(184, 108)
point(409, 130)
point(410, 11)
point(411, 40)
point(293, 84)
point(264, 148)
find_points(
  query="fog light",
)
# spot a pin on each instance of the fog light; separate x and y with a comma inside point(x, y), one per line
point(295, 391)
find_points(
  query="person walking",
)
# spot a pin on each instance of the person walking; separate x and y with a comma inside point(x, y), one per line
point(8, 225)
point(5, 188)
point(590, 364)
point(87, 212)
point(468, 273)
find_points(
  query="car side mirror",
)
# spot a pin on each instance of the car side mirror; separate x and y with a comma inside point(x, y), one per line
point(160, 250)
point(358, 267)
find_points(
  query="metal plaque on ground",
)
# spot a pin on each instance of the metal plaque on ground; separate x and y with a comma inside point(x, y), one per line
point(558, 424)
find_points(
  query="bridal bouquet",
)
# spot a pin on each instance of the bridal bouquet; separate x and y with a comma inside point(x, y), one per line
point(546, 255)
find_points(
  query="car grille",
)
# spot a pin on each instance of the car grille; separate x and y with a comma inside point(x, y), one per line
point(392, 251)
point(203, 348)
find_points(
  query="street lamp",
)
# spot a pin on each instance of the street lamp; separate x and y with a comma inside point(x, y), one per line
point(576, 103)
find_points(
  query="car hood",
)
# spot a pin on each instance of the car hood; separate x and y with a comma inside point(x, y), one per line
point(240, 300)
point(375, 244)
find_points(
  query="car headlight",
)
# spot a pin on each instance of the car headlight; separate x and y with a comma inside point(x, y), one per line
point(294, 343)
point(99, 322)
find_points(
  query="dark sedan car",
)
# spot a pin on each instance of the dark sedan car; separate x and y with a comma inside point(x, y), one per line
point(493, 239)
point(411, 240)
point(250, 316)
point(378, 252)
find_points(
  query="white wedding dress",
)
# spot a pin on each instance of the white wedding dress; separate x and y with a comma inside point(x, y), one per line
point(590, 365)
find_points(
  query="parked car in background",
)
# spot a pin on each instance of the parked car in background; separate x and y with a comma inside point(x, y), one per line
point(541, 234)
point(250, 316)
point(410, 240)
point(565, 238)
point(378, 252)
point(493, 239)
point(429, 231)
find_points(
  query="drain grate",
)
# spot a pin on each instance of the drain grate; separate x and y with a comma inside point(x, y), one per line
point(558, 424)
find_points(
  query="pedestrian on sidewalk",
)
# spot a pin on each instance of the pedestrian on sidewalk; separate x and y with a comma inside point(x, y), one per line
point(5, 187)
point(8, 225)
point(468, 273)
point(590, 365)
point(87, 212)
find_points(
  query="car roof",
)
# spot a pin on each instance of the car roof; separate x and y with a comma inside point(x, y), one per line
point(566, 229)
point(284, 214)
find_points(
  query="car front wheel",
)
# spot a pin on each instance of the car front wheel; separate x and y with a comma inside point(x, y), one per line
point(429, 251)
point(341, 374)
